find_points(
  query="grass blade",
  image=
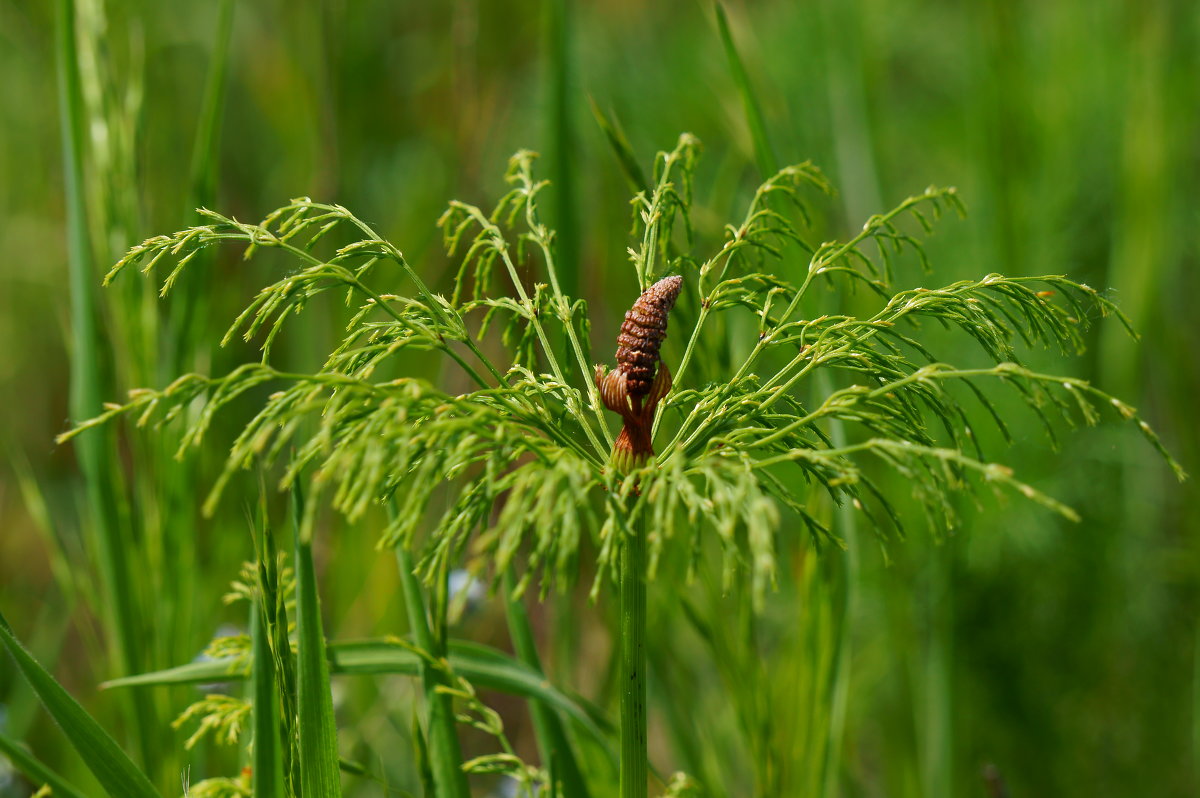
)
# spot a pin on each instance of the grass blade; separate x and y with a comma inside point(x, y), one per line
point(635, 763)
point(444, 750)
point(201, 672)
point(764, 154)
point(268, 764)
point(481, 665)
point(86, 387)
point(561, 133)
point(278, 637)
point(207, 143)
point(35, 771)
point(115, 771)
point(268, 678)
point(319, 777)
point(846, 581)
point(189, 319)
point(621, 148)
point(552, 738)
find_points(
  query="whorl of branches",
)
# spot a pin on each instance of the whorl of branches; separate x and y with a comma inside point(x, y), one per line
point(525, 451)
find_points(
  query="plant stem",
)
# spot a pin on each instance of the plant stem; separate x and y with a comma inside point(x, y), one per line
point(847, 585)
point(560, 100)
point(548, 728)
point(87, 386)
point(317, 738)
point(445, 752)
point(633, 661)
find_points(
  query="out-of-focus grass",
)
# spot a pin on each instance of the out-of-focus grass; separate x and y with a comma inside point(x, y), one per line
point(1060, 654)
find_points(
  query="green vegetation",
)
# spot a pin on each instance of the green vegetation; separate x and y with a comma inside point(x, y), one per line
point(424, 423)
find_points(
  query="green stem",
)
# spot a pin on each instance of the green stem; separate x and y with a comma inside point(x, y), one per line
point(559, 99)
point(547, 727)
point(317, 745)
point(847, 583)
point(634, 765)
point(445, 751)
point(352, 281)
point(87, 386)
point(267, 769)
point(501, 247)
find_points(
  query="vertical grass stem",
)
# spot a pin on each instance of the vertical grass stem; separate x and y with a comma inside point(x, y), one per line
point(634, 764)
point(445, 751)
point(86, 387)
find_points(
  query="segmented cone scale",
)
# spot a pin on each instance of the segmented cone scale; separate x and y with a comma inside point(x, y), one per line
point(640, 379)
point(643, 332)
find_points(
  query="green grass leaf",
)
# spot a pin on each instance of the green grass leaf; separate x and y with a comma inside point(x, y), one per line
point(553, 743)
point(319, 775)
point(481, 665)
point(621, 148)
point(443, 748)
point(764, 154)
point(560, 102)
point(115, 771)
point(206, 147)
point(268, 764)
point(35, 771)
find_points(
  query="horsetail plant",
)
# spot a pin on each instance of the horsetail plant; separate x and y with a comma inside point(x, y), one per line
point(526, 451)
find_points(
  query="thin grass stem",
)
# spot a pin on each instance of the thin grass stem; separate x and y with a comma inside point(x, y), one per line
point(634, 757)
point(445, 751)
point(87, 387)
point(552, 739)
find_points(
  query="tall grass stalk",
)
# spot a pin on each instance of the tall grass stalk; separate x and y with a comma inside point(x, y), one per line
point(88, 387)
point(764, 153)
point(189, 321)
point(267, 765)
point(553, 743)
point(632, 671)
point(319, 774)
point(206, 148)
point(846, 574)
point(937, 681)
point(856, 164)
point(445, 751)
point(560, 96)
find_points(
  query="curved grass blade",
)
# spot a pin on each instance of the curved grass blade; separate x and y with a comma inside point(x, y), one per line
point(232, 669)
point(35, 771)
point(113, 768)
point(319, 776)
point(481, 665)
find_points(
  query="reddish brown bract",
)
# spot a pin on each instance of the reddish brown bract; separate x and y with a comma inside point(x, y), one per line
point(640, 380)
point(642, 334)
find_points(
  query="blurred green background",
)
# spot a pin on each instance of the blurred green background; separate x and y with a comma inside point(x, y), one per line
point(1024, 656)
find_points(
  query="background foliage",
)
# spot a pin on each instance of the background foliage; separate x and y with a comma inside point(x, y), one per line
point(1058, 657)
